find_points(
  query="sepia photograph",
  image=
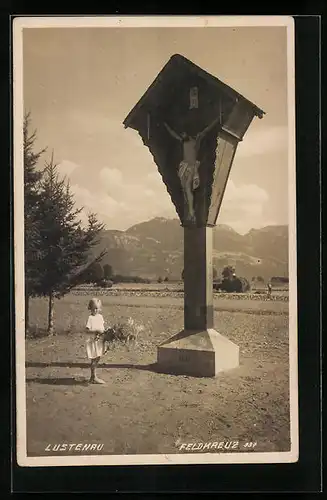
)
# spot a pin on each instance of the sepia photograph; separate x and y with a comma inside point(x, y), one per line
point(155, 240)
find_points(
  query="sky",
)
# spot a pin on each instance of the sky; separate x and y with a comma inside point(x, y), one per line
point(79, 84)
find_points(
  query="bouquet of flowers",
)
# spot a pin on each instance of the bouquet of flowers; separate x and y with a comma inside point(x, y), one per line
point(124, 333)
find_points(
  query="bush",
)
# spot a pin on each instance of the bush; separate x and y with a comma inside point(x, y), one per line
point(235, 285)
point(119, 278)
point(245, 285)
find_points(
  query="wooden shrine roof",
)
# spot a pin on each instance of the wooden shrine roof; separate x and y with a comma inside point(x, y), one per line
point(176, 71)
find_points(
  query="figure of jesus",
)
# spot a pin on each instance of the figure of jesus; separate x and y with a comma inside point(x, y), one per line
point(188, 168)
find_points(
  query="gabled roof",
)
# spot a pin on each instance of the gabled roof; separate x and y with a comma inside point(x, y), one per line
point(176, 68)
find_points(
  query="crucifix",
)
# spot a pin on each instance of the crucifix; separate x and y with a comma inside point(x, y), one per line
point(188, 167)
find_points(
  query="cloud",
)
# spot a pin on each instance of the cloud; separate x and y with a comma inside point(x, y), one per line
point(121, 202)
point(262, 141)
point(67, 167)
point(98, 202)
point(143, 198)
point(245, 194)
point(111, 180)
point(243, 207)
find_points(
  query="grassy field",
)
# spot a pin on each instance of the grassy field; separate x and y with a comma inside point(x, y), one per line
point(141, 411)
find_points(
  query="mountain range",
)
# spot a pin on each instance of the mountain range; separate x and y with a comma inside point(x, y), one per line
point(155, 248)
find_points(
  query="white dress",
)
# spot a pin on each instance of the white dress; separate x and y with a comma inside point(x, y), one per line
point(94, 347)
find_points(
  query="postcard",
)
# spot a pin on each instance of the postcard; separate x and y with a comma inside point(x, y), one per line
point(155, 240)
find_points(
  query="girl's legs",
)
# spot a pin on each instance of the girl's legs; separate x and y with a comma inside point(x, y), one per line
point(94, 379)
point(93, 365)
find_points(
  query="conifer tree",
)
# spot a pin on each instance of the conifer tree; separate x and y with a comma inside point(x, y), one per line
point(32, 177)
point(64, 244)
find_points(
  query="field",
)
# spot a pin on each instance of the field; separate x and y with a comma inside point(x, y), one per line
point(141, 411)
point(177, 286)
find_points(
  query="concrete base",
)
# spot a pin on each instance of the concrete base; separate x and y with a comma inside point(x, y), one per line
point(199, 353)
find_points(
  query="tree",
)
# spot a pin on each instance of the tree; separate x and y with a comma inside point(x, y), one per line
point(95, 273)
point(64, 245)
point(228, 272)
point(107, 271)
point(232, 283)
point(245, 284)
point(32, 177)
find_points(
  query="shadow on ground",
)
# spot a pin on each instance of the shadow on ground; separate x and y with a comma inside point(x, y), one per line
point(77, 381)
point(153, 367)
point(63, 364)
point(57, 381)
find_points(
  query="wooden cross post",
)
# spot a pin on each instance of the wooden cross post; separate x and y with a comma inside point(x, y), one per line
point(197, 350)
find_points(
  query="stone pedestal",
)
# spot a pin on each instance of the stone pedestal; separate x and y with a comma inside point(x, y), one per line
point(198, 350)
point(202, 353)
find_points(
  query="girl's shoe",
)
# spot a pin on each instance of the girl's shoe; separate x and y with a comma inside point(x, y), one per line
point(97, 380)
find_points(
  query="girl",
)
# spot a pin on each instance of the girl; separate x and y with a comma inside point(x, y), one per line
point(95, 342)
